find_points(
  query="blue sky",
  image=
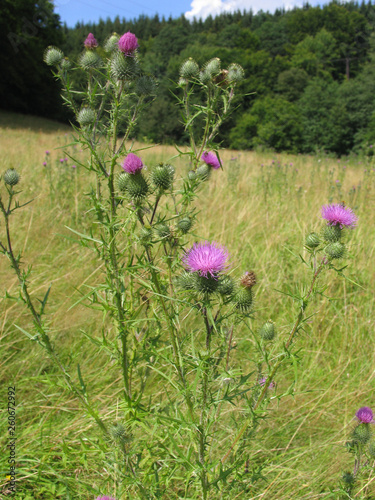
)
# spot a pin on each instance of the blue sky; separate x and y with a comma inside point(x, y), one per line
point(72, 11)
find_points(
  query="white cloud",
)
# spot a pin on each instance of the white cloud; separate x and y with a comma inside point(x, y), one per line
point(203, 8)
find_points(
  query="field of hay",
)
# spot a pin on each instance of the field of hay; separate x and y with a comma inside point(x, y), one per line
point(260, 207)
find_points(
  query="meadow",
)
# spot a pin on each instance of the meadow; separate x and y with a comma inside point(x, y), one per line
point(260, 206)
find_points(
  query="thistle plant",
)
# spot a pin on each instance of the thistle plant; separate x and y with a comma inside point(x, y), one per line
point(172, 308)
point(362, 446)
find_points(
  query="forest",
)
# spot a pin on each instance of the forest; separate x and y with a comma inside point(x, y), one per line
point(309, 72)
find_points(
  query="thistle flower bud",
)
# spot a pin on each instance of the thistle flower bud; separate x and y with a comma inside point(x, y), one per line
point(267, 331)
point(192, 175)
point(249, 279)
point(226, 286)
point(162, 176)
point(90, 60)
point(111, 44)
point(118, 433)
point(187, 281)
point(65, 64)
point(145, 86)
point(53, 56)
point(312, 240)
point(206, 285)
point(124, 68)
point(90, 42)
point(182, 82)
point(135, 185)
point(145, 235)
point(163, 231)
point(185, 224)
point(235, 73)
point(189, 69)
point(128, 44)
point(332, 233)
point(335, 250)
point(203, 172)
point(362, 433)
point(11, 177)
point(204, 77)
point(212, 67)
point(244, 299)
point(86, 117)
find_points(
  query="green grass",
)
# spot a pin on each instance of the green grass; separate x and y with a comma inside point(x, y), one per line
point(260, 213)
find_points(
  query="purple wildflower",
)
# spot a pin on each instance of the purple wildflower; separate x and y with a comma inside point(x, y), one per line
point(211, 159)
point(105, 498)
point(44, 164)
point(61, 160)
point(90, 42)
point(65, 159)
point(74, 166)
point(365, 415)
point(337, 214)
point(128, 44)
point(132, 164)
point(206, 258)
point(263, 380)
point(47, 153)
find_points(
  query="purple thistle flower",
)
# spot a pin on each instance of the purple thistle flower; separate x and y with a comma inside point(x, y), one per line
point(105, 498)
point(263, 380)
point(211, 159)
point(61, 160)
point(65, 159)
point(365, 415)
point(206, 258)
point(90, 42)
point(337, 214)
point(47, 152)
point(132, 164)
point(74, 166)
point(128, 44)
point(44, 164)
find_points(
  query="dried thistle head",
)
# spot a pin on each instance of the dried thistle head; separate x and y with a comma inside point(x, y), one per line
point(249, 279)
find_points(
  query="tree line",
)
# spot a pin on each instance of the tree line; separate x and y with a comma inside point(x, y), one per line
point(309, 72)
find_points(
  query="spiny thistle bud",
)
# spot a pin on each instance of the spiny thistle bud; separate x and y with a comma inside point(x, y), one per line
point(124, 68)
point(362, 433)
point(207, 284)
point(145, 86)
point(332, 233)
point(348, 478)
point(86, 117)
point(187, 281)
point(244, 299)
point(90, 60)
point(111, 43)
point(204, 77)
point(145, 236)
point(135, 185)
point(312, 240)
point(11, 177)
point(185, 224)
point(53, 56)
point(118, 433)
point(267, 332)
point(235, 73)
point(182, 82)
point(226, 286)
point(163, 231)
point(162, 176)
point(192, 175)
point(249, 279)
point(335, 250)
point(212, 67)
point(65, 64)
point(203, 172)
point(189, 69)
